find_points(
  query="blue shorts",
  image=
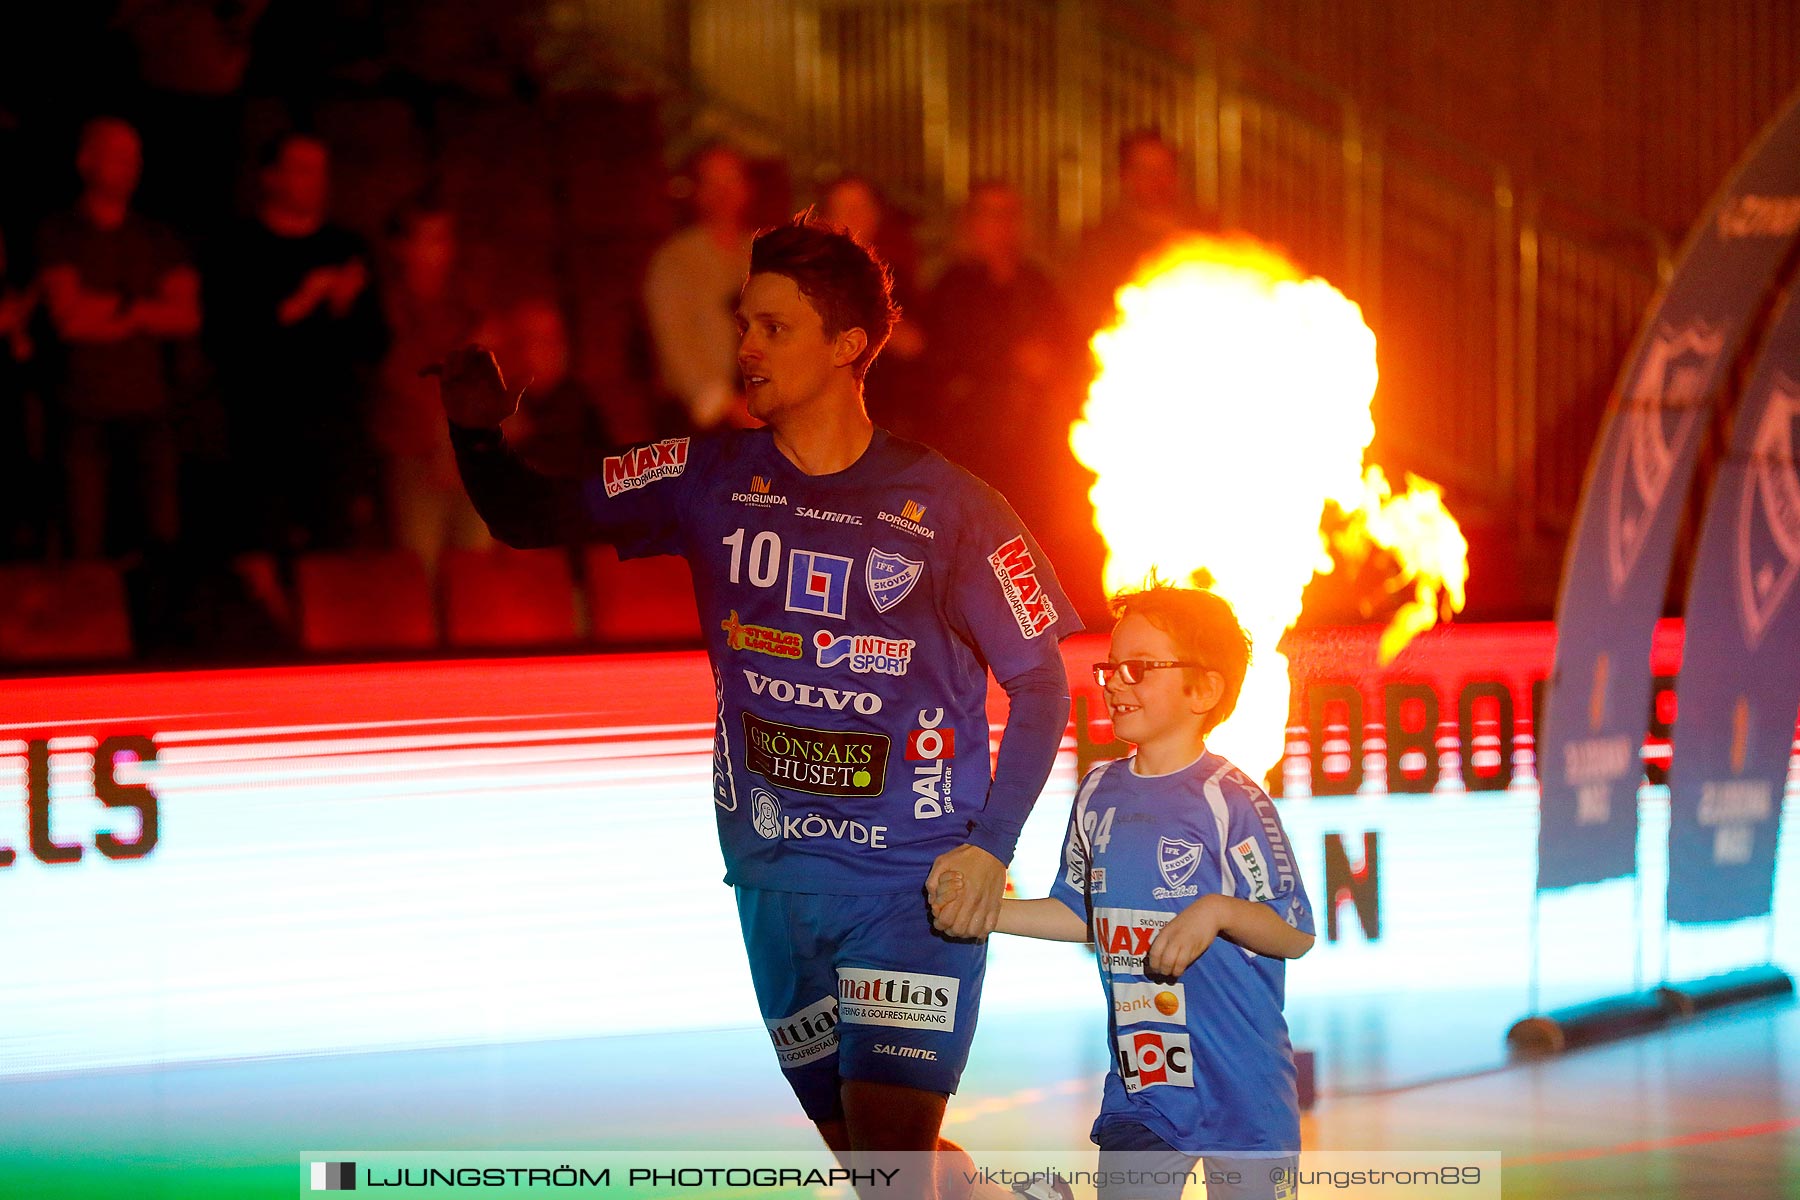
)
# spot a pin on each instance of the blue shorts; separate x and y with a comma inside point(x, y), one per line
point(860, 987)
point(1136, 1164)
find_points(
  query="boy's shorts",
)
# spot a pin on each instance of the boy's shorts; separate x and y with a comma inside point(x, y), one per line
point(860, 987)
point(1136, 1164)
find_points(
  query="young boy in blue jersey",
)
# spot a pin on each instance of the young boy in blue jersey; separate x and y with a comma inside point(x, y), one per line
point(856, 590)
point(1177, 867)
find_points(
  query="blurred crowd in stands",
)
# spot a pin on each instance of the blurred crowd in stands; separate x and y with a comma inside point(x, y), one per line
point(222, 270)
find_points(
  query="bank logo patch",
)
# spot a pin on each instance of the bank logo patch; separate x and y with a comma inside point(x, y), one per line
point(1134, 1002)
point(818, 583)
point(906, 999)
point(1659, 415)
point(822, 762)
point(1256, 872)
point(889, 577)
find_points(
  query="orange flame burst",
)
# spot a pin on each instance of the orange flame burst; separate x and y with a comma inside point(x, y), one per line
point(1231, 404)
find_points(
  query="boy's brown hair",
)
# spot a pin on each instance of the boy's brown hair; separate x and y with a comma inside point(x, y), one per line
point(1204, 628)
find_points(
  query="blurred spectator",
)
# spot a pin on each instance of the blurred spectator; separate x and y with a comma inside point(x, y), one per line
point(429, 313)
point(1007, 373)
point(691, 288)
point(22, 467)
point(859, 206)
point(191, 57)
point(298, 331)
point(119, 289)
point(1151, 211)
point(559, 429)
point(891, 390)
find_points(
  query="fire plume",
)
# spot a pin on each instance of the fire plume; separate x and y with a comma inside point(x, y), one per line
point(1231, 405)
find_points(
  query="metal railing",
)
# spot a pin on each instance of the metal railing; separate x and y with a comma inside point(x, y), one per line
point(1501, 315)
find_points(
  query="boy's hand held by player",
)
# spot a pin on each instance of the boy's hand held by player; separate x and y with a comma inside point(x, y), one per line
point(1184, 939)
point(474, 392)
point(973, 910)
point(946, 896)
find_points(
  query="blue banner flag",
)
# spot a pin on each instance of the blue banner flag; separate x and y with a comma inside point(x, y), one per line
point(1617, 569)
point(1740, 675)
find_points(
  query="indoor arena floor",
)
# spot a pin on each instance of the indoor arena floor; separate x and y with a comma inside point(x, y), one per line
point(1708, 1109)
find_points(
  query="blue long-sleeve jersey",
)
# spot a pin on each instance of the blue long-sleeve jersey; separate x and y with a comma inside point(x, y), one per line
point(851, 620)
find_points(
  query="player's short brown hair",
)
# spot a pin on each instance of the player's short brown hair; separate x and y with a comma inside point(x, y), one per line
point(1204, 628)
point(845, 281)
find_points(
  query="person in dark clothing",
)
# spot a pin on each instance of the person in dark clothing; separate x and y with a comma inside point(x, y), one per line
point(1007, 372)
point(429, 310)
point(119, 289)
point(559, 429)
point(22, 464)
point(892, 393)
point(1151, 213)
point(298, 332)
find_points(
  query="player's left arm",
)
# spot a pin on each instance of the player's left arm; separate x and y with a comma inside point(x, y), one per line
point(1037, 713)
point(1006, 602)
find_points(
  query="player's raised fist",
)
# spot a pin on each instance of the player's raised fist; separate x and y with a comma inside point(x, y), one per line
point(474, 392)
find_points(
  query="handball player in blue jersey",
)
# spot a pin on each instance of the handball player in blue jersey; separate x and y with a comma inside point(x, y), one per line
point(1176, 866)
point(855, 590)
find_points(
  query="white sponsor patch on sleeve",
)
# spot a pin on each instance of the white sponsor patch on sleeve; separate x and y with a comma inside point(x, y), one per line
point(1256, 871)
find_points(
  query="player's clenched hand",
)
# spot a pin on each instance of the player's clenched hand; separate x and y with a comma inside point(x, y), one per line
point(475, 393)
point(973, 911)
point(949, 887)
point(1184, 939)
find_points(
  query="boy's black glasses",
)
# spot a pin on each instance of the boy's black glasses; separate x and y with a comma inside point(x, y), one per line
point(1132, 670)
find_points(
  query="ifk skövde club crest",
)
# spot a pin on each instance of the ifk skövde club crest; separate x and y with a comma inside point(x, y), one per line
point(890, 577)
